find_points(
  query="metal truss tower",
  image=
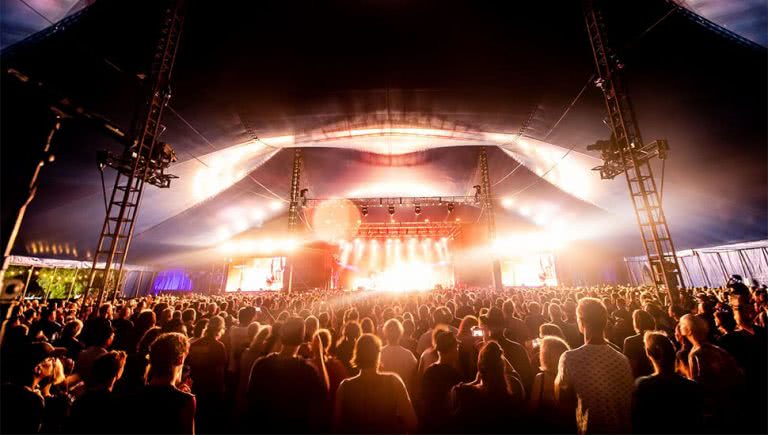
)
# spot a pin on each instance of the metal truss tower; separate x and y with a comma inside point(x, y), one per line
point(626, 153)
point(487, 208)
point(293, 211)
point(143, 161)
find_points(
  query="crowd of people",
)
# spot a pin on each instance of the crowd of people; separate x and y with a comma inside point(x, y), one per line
point(610, 359)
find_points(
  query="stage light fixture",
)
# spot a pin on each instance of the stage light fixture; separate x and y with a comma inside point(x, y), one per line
point(391, 210)
point(364, 211)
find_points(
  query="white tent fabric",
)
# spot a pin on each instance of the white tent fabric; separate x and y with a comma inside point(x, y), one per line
point(712, 266)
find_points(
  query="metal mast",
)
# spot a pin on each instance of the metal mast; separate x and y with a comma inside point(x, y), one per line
point(143, 161)
point(293, 209)
point(627, 153)
point(487, 207)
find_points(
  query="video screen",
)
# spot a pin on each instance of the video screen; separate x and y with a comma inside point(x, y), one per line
point(533, 270)
point(256, 274)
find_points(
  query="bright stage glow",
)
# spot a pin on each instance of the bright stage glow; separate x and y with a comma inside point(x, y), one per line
point(394, 189)
point(335, 220)
point(256, 274)
point(275, 205)
point(530, 270)
point(407, 265)
point(507, 202)
point(259, 247)
point(528, 243)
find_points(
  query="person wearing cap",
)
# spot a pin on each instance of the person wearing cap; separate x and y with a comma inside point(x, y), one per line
point(22, 407)
point(515, 353)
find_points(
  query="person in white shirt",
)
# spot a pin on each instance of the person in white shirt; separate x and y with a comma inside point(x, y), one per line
point(595, 378)
point(396, 358)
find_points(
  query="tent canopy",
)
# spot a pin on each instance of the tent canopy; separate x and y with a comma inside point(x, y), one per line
point(388, 98)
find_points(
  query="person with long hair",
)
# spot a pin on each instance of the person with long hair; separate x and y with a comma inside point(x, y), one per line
point(372, 401)
point(489, 403)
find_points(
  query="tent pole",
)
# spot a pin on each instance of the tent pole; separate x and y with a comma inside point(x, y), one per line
point(26, 285)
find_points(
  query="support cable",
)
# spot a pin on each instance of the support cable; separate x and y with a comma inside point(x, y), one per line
point(210, 144)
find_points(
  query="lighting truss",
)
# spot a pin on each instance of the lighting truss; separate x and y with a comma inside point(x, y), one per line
point(425, 201)
point(394, 230)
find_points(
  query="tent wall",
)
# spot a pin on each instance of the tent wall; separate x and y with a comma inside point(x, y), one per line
point(711, 266)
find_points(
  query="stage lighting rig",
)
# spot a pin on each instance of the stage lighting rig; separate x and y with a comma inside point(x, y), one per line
point(613, 162)
point(156, 163)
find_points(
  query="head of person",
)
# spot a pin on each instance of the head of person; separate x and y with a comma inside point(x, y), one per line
point(165, 316)
point(466, 325)
point(367, 326)
point(257, 343)
point(591, 316)
point(311, 324)
point(189, 315)
point(167, 354)
point(493, 321)
point(215, 328)
point(105, 311)
point(323, 338)
point(107, 369)
point(660, 351)
point(555, 313)
point(146, 340)
point(743, 310)
point(125, 311)
point(444, 341)
point(549, 355)
point(199, 328)
point(409, 326)
point(643, 321)
point(102, 334)
point(145, 320)
point(352, 330)
point(292, 332)
point(490, 365)
point(550, 329)
point(725, 321)
point(393, 331)
point(367, 352)
point(508, 308)
point(246, 315)
point(323, 319)
point(442, 316)
point(694, 328)
point(72, 329)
